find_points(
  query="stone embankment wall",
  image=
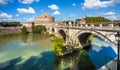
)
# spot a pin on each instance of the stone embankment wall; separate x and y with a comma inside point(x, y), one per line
point(9, 30)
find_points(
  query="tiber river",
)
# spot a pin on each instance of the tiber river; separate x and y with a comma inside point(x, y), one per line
point(34, 52)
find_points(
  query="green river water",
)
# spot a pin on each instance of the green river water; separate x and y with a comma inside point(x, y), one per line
point(34, 52)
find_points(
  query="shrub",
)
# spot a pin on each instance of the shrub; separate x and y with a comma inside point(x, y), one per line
point(38, 29)
point(24, 30)
point(58, 44)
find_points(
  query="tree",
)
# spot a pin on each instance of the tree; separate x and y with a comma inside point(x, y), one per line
point(24, 30)
point(33, 29)
point(59, 47)
point(96, 19)
point(10, 24)
point(38, 29)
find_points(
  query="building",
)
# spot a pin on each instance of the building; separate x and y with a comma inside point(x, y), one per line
point(27, 24)
point(60, 22)
point(81, 21)
point(45, 19)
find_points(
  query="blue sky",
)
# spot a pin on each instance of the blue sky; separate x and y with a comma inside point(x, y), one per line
point(26, 10)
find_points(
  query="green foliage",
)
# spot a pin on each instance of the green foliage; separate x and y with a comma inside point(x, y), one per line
point(68, 21)
point(32, 28)
point(78, 19)
point(38, 29)
point(24, 30)
point(58, 44)
point(10, 24)
point(95, 19)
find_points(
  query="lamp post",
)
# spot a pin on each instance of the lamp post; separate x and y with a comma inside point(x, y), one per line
point(117, 36)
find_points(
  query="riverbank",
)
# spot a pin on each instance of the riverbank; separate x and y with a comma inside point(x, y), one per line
point(9, 35)
point(10, 30)
point(61, 48)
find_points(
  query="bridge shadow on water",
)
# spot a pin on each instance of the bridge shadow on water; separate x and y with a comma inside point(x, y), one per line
point(78, 60)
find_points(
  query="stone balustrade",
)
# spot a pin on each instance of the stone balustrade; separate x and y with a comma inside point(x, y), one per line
point(91, 25)
point(98, 25)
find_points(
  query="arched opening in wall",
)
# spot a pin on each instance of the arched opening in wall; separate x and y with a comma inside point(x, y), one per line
point(84, 40)
point(62, 33)
point(53, 30)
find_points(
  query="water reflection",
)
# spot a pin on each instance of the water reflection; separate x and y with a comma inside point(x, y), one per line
point(101, 49)
point(24, 38)
point(78, 60)
point(45, 62)
point(34, 52)
point(22, 48)
point(91, 57)
point(5, 40)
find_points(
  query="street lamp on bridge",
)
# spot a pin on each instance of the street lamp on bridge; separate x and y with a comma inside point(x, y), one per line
point(117, 36)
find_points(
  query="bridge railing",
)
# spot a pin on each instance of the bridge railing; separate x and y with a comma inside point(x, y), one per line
point(98, 25)
point(94, 26)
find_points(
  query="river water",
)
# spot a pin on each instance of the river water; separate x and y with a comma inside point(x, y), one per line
point(34, 52)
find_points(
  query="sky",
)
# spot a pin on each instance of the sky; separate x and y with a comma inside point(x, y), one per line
point(26, 10)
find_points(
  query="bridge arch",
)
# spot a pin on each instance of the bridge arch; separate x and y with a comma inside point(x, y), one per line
point(85, 34)
point(53, 30)
point(62, 33)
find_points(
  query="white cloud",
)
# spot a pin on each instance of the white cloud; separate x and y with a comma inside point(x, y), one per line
point(94, 4)
point(30, 10)
point(96, 48)
point(56, 12)
point(74, 4)
point(113, 17)
point(53, 7)
point(17, 15)
point(109, 13)
point(30, 19)
point(28, 1)
point(37, 0)
point(5, 16)
point(71, 15)
point(3, 2)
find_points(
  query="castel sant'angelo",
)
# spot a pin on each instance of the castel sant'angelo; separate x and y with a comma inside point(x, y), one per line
point(45, 19)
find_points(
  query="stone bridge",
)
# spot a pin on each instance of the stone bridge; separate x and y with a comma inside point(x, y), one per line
point(79, 34)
